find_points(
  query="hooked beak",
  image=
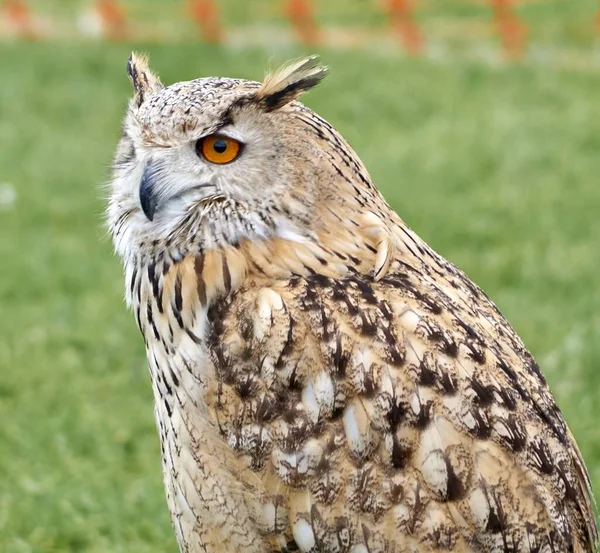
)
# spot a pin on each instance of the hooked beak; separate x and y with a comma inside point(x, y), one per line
point(156, 188)
point(148, 194)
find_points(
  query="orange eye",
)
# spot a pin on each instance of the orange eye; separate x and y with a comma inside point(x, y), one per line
point(218, 149)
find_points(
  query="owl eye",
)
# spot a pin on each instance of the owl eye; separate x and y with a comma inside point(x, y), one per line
point(218, 149)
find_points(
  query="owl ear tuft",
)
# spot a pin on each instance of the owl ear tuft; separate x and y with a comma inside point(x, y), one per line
point(288, 82)
point(143, 80)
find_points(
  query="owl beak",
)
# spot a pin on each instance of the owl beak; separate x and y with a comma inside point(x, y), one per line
point(148, 195)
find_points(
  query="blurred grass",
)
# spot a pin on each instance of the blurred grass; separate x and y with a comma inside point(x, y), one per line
point(496, 168)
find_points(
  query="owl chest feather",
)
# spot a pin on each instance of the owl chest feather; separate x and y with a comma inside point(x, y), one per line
point(201, 473)
point(289, 406)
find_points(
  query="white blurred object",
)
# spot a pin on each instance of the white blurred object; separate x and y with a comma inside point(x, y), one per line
point(90, 23)
point(8, 196)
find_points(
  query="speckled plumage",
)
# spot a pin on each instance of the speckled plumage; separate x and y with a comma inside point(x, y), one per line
point(323, 380)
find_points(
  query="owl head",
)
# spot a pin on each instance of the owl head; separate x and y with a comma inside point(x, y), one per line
point(215, 162)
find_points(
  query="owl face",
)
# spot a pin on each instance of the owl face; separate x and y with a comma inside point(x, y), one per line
point(213, 161)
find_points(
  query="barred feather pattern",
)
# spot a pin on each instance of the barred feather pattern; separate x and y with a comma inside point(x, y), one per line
point(349, 392)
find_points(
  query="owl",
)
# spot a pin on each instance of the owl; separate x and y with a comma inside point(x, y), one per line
point(323, 381)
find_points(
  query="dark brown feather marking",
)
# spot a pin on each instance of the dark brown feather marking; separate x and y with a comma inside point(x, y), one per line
point(200, 284)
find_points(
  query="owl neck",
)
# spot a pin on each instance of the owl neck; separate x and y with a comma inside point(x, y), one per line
point(163, 290)
point(173, 295)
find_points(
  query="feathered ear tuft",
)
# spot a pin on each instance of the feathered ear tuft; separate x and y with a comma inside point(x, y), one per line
point(290, 81)
point(143, 80)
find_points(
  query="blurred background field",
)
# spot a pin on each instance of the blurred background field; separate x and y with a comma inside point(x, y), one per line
point(555, 31)
point(495, 163)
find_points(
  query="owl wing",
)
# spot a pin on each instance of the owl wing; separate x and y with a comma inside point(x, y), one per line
point(394, 416)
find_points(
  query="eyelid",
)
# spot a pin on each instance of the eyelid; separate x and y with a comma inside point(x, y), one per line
point(227, 131)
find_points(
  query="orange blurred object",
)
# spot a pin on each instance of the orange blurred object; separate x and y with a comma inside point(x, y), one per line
point(405, 26)
point(205, 13)
point(18, 15)
point(302, 15)
point(512, 30)
point(113, 18)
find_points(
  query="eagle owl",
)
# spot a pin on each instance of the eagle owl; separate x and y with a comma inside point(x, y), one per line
point(324, 382)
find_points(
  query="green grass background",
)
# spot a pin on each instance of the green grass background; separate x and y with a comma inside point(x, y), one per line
point(496, 167)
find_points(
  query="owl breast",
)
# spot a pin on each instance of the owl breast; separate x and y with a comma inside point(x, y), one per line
point(334, 415)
